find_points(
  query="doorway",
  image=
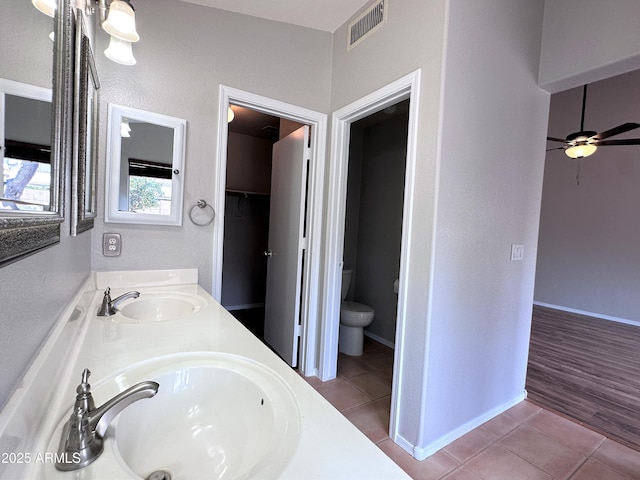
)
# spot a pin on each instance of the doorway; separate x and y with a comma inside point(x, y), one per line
point(310, 274)
point(406, 88)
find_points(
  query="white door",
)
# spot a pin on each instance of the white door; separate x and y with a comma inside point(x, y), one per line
point(286, 244)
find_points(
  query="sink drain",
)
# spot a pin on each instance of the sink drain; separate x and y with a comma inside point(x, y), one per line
point(159, 475)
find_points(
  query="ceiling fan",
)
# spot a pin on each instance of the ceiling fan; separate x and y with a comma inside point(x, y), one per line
point(585, 142)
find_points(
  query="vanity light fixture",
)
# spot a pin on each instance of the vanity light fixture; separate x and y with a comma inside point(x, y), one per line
point(119, 20)
point(120, 51)
point(125, 129)
point(230, 115)
point(48, 7)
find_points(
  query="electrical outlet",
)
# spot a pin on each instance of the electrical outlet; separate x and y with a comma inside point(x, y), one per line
point(111, 244)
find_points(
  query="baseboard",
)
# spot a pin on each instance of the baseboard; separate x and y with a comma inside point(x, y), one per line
point(589, 314)
point(231, 308)
point(379, 339)
point(420, 453)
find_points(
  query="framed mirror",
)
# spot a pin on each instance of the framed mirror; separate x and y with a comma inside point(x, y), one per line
point(145, 167)
point(26, 231)
point(85, 134)
point(25, 139)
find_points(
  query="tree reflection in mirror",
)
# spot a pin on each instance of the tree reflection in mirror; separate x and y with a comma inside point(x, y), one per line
point(26, 166)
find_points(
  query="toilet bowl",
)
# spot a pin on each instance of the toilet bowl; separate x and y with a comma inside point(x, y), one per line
point(353, 318)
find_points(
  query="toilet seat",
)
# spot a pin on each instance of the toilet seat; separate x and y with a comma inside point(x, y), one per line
point(354, 314)
point(355, 308)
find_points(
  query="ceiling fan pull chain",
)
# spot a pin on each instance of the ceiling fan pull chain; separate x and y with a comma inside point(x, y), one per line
point(578, 164)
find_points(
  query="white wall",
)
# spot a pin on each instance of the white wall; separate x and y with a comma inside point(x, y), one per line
point(588, 40)
point(33, 291)
point(469, 308)
point(588, 256)
point(412, 38)
point(179, 72)
point(493, 128)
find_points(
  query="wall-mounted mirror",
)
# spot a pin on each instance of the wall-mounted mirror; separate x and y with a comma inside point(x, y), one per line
point(145, 167)
point(25, 140)
point(85, 134)
point(30, 224)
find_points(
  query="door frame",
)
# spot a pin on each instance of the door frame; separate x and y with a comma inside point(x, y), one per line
point(309, 308)
point(406, 87)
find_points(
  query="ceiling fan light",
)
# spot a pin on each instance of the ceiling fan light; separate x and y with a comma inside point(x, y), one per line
point(580, 150)
point(121, 22)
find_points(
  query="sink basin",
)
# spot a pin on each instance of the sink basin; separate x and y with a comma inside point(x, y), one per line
point(215, 416)
point(158, 307)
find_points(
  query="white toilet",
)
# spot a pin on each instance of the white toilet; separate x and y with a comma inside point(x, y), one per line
point(353, 318)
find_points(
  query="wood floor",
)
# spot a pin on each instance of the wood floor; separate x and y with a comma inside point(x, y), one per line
point(587, 369)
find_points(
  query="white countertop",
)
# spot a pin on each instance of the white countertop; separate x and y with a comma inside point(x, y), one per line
point(329, 447)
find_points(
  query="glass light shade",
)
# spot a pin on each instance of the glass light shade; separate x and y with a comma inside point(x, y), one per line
point(230, 115)
point(580, 151)
point(121, 22)
point(48, 7)
point(125, 129)
point(120, 51)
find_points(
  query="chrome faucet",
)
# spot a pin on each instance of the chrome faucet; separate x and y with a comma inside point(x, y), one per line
point(108, 306)
point(82, 436)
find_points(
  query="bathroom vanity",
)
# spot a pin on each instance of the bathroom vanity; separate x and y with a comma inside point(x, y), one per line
point(226, 407)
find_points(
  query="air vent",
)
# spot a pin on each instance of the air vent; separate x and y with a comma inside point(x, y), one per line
point(368, 22)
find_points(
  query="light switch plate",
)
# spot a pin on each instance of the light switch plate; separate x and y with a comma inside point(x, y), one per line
point(111, 244)
point(517, 252)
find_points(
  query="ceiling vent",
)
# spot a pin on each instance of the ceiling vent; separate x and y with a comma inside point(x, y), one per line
point(368, 22)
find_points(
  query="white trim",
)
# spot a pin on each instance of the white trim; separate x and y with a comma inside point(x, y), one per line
point(311, 274)
point(246, 306)
point(379, 339)
point(420, 453)
point(112, 212)
point(589, 314)
point(406, 87)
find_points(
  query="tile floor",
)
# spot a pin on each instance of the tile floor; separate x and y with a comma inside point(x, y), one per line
point(525, 442)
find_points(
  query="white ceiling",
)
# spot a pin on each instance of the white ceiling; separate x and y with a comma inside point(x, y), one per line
point(327, 15)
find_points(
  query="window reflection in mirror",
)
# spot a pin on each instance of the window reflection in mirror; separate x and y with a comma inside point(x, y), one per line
point(145, 161)
point(26, 147)
point(145, 168)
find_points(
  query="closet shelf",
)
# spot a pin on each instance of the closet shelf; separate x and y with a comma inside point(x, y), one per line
point(245, 192)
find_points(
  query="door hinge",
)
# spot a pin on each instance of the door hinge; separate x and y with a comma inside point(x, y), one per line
point(304, 243)
point(297, 331)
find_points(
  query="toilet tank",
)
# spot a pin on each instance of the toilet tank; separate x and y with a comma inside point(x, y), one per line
point(346, 281)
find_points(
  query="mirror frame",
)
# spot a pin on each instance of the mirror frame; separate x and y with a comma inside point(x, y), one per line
point(114, 148)
point(25, 234)
point(85, 127)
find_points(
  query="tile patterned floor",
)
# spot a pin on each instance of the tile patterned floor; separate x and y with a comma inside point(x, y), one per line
point(526, 442)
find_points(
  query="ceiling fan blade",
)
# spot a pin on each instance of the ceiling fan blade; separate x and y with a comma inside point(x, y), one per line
point(629, 141)
point(625, 127)
point(557, 148)
point(553, 139)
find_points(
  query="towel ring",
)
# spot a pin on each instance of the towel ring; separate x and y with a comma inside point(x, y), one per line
point(202, 204)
